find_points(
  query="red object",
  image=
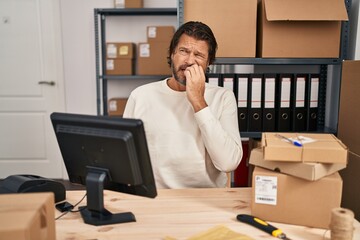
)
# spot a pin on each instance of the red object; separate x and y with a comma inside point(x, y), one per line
point(241, 173)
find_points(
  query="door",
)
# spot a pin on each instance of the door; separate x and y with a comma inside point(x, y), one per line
point(31, 87)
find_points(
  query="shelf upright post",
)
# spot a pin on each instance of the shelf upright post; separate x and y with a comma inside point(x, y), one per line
point(97, 61)
point(103, 63)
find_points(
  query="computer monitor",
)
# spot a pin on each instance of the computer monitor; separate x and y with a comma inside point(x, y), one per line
point(103, 152)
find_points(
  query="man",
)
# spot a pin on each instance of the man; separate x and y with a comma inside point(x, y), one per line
point(191, 126)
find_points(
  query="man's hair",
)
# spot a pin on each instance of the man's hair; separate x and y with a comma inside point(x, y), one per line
point(197, 30)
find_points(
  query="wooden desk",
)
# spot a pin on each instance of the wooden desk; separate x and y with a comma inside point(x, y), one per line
point(177, 213)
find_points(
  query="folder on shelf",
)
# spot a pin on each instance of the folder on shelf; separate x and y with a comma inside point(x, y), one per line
point(213, 79)
point(242, 98)
point(283, 118)
point(312, 103)
point(255, 115)
point(298, 103)
point(228, 81)
point(268, 103)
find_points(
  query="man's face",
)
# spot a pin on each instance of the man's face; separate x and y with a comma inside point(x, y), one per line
point(189, 51)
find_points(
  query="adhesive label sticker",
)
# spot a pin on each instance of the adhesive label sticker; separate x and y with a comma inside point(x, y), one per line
point(265, 190)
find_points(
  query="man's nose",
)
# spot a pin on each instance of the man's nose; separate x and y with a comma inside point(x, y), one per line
point(190, 59)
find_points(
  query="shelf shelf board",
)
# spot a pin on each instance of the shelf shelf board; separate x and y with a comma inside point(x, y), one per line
point(136, 11)
point(270, 61)
point(134, 77)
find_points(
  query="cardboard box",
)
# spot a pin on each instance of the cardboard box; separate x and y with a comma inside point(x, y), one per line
point(152, 59)
point(300, 29)
point(26, 212)
point(120, 66)
point(349, 132)
point(325, 148)
point(160, 34)
point(286, 199)
point(307, 171)
point(120, 50)
point(349, 112)
point(233, 23)
point(24, 225)
point(128, 3)
point(351, 185)
point(116, 106)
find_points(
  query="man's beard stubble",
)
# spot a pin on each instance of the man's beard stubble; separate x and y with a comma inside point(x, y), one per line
point(178, 72)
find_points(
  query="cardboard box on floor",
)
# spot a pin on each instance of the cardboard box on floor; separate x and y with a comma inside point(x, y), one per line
point(307, 171)
point(27, 216)
point(325, 148)
point(349, 132)
point(300, 29)
point(233, 23)
point(286, 199)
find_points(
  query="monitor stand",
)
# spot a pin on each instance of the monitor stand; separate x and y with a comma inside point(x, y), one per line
point(95, 213)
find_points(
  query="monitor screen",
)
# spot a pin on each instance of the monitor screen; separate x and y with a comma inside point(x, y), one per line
point(103, 152)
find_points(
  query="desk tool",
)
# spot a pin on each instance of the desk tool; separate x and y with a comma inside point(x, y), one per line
point(296, 143)
point(262, 225)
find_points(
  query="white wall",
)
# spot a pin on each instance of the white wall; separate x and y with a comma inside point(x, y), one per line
point(77, 17)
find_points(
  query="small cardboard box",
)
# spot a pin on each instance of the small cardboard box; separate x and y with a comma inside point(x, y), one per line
point(160, 34)
point(233, 23)
point(286, 199)
point(325, 148)
point(120, 66)
point(25, 225)
point(300, 29)
point(120, 50)
point(26, 213)
point(128, 3)
point(116, 106)
point(308, 171)
point(152, 59)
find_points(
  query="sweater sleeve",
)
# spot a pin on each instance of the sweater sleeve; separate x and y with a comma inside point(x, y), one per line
point(221, 136)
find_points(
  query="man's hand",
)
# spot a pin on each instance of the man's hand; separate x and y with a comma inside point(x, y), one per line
point(195, 86)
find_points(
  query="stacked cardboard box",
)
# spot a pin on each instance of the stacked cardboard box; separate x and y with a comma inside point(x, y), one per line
point(300, 29)
point(152, 55)
point(299, 190)
point(120, 58)
point(349, 133)
point(233, 23)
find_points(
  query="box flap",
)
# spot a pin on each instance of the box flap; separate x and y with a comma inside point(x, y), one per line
point(305, 10)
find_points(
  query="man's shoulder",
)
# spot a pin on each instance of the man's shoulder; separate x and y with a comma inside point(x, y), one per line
point(148, 86)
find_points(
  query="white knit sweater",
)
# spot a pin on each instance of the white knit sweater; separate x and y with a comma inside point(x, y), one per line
point(188, 149)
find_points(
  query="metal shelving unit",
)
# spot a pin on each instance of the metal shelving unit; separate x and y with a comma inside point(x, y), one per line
point(100, 48)
point(327, 66)
point(324, 70)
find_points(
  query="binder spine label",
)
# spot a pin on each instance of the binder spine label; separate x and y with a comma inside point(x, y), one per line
point(285, 93)
point(229, 83)
point(214, 81)
point(242, 92)
point(269, 93)
point(314, 92)
point(300, 92)
point(256, 93)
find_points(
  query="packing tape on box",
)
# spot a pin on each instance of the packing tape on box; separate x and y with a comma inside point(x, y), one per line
point(341, 224)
